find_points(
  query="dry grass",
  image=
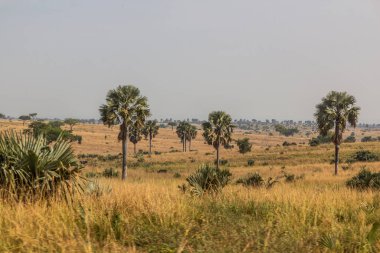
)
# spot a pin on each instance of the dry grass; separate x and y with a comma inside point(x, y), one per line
point(149, 214)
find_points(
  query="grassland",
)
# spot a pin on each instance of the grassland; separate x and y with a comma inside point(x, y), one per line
point(148, 213)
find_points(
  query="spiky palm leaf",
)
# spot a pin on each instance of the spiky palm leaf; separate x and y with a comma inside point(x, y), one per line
point(29, 168)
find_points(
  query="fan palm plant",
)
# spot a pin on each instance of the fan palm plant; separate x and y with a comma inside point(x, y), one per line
point(334, 112)
point(218, 131)
point(124, 107)
point(135, 136)
point(182, 129)
point(191, 134)
point(150, 131)
point(29, 168)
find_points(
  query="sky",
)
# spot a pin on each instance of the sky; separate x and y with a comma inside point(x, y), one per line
point(259, 59)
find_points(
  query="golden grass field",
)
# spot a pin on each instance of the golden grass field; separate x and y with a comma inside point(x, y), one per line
point(148, 213)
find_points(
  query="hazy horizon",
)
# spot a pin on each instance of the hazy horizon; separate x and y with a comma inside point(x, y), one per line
point(252, 59)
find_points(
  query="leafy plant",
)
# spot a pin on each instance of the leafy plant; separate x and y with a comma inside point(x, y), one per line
point(31, 169)
point(365, 180)
point(208, 179)
point(364, 156)
point(254, 180)
point(244, 145)
point(251, 162)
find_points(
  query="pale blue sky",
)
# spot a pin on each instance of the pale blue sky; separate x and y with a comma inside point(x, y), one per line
point(253, 59)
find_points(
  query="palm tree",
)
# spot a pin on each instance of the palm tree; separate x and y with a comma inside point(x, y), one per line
point(124, 107)
point(334, 112)
point(218, 131)
point(135, 136)
point(150, 131)
point(191, 134)
point(182, 129)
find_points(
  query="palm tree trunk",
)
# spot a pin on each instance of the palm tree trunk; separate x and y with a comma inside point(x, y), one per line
point(134, 148)
point(336, 158)
point(150, 145)
point(190, 145)
point(217, 157)
point(336, 142)
point(125, 154)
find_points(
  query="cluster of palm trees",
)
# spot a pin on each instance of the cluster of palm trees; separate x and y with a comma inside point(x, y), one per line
point(128, 109)
point(186, 133)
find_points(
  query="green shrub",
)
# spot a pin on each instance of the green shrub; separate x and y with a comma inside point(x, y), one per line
point(368, 139)
point(321, 139)
point(244, 145)
point(221, 162)
point(286, 144)
point(253, 180)
point(350, 139)
point(177, 175)
point(365, 180)
point(251, 162)
point(208, 179)
point(30, 168)
point(286, 131)
point(364, 156)
point(110, 172)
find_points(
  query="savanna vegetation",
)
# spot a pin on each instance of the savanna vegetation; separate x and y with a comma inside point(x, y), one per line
point(62, 196)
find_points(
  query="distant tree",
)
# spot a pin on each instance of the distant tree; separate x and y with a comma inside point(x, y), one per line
point(33, 115)
point(51, 131)
point(124, 107)
point(24, 118)
point(150, 131)
point(172, 124)
point(191, 134)
point(244, 145)
point(334, 112)
point(135, 136)
point(71, 122)
point(2, 116)
point(181, 131)
point(218, 131)
point(286, 131)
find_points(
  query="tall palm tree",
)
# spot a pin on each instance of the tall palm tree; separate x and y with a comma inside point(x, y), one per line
point(334, 112)
point(182, 129)
point(124, 107)
point(218, 131)
point(191, 134)
point(150, 131)
point(135, 136)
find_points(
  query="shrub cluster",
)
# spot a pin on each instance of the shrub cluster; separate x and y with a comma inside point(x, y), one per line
point(365, 180)
point(363, 156)
point(286, 131)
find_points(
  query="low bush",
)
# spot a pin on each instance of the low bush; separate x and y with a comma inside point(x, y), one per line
point(208, 179)
point(253, 180)
point(365, 180)
point(110, 172)
point(244, 145)
point(251, 162)
point(364, 156)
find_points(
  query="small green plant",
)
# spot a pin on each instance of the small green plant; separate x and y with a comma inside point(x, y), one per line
point(110, 172)
point(208, 179)
point(364, 156)
point(177, 175)
point(251, 162)
point(253, 180)
point(244, 145)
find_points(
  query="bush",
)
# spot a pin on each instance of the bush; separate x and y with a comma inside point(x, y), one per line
point(368, 139)
point(177, 175)
point(30, 168)
point(110, 172)
point(364, 156)
point(251, 162)
point(286, 144)
point(286, 131)
point(208, 179)
point(254, 180)
point(365, 180)
point(221, 162)
point(244, 145)
point(350, 139)
point(321, 139)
